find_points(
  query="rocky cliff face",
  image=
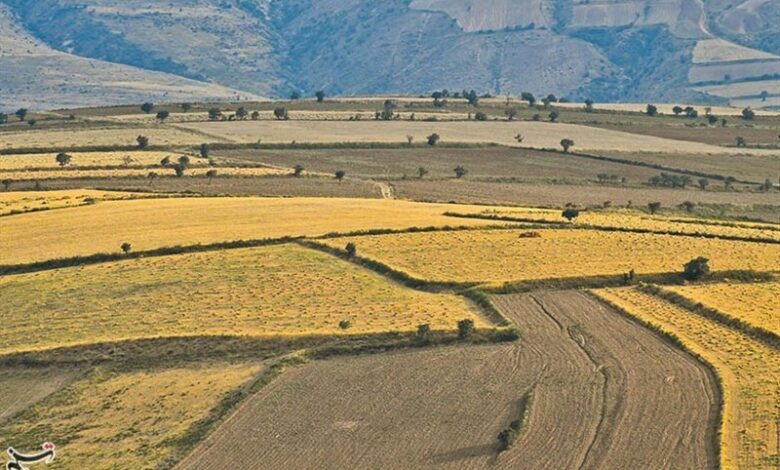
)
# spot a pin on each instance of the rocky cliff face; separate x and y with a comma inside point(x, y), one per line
point(608, 50)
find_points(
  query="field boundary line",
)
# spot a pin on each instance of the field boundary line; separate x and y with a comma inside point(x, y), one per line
point(757, 333)
point(716, 418)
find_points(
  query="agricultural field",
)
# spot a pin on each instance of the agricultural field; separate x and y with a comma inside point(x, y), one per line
point(95, 136)
point(747, 368)
point(23, 387)
point(755, 304)
point(48, 161)
point(25, 201)
point(500, 256)
point(190, 172)
point(262, 292)
point(448, 417)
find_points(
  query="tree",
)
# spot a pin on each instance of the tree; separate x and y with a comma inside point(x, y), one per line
point(472, 98)
point(526, 96)
point(32, 122)
point(280, 113)
point(433, 139)
point(214, 114)
point(421, 172)
point(553, 116)
point(712, 119)
point(729, 182)
point(388, 111)
point(63, 159)
point(7, 184)
point(651, 110)
point(508, 436)
point(345, 324)
point(696, 268)
point(205, 150)
point(764, 95)
point(703, 183)
point(465, 328)
point(340, 174)
point(480, 116)
point(320, 96)
point(143, 141)
point(410, 140)
point(126, 247)
point(186, 107)
point(589, 106)
point(255, 115)
point(351, 249)
point(184, 161)
point(298, 170)
point(511, 114)
point(567, 144)
point(460, 172)
point(677, 110)
point(152, 176)
point(211, 174)
point(748, 114)
point(3, 118)
point(536, 117)
point(570, 214)
point(654, 207)
point(21, 113)
point(163, 115)
point(423, 332)
point(179, 169)
point(687, 206)
point(165, 161)
point(741, 141)
point(147, 107)
point(295, 96)
point(766, 186)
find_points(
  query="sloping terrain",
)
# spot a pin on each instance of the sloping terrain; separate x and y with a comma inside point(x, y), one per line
point(612, 392)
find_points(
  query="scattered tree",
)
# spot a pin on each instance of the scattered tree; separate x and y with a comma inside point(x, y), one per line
point(214, 114)
point(163, 115)
point(519, 138)
point(340, 174)
point(677, 110)
point(280, 113)
point(703, 183)
point(7, 184)
point(204, 150)
point(553, 116)
point(511, 114)
point(242, 113)
point(508, 436)
point(410, 140)
point(728, 183)
point(589, 106)
point(255, 115)
point(211, 174)
point(536, 117)
point(32, 122)
point(433, 139)
point(480, 116)
point(696, 268)
point(298, 170)
point(351, 249)
point(126, 247)
point(184, 161)
point(423, 332)
point(345, 324)
point(388, 111)
point(63, 159)
point(472, 98)
point(3, 118)
point(712, 119)
point(320, 96)
point(151, 176)
point(570, 214)
point(186, 107)
point(687, 206)
point(567, 144)
point(21, 113)
point(651, 110)
point(766, 186)
point(748, 114)
point(465, 328)
point(147, 107)
point(526, 96)
point(460, 172)
point(741, 141)
point(143, 141)
point(654, 207)
point(165, 161)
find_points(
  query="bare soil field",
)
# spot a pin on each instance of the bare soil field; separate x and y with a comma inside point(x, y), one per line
point(715, 135)
point(23, 387)
point(611, 390)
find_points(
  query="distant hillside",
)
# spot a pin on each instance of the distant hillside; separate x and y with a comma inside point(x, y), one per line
point(692, 50)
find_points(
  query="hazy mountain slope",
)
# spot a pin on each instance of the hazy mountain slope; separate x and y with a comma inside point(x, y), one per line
point(39, 77)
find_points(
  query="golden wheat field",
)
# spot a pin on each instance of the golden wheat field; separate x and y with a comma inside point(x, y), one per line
point(146, 225)
point(197, 172)
point(80, 159)
point(749, 370)
point(634, 219)
point(756, 304)
point(497, 256)
point(268, 291)
point(126, 420)
point(64, 139)
point(25, 201)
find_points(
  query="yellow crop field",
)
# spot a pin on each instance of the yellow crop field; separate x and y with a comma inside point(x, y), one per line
point(25, 201)
point(64, 139)
point(749, 370)
point(756, 304)
point(198, 172)
point(267, 291)
point(633, 219)
point(497, 256)
point(185, 221)
point(80, 159)
point(126, 420)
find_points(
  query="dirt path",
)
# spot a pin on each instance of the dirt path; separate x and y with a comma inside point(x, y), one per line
point(605, 393)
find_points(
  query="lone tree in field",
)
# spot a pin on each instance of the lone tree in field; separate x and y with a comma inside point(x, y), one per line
point(460, 172)
point(748, 114)
point(703, 183)
point(143, 141)
point(570, 214)
point(677, 110)
point(741, 141)
point(553, 116)
point(433, 139)
point(211, 174)
point(152, 176)
point(421, 172)
point(298, 170)
point(147, 107)
point(651, 110)
point(163, 115)
point(214, 114)
point(567, 144)
point(340, 174)
point(165, 161)
point(351, 249)
point(204, 150)
point(63, 159)
point(526, 96)
point(696, 269)
point(280, 113)
point(255, 115)
point(388, 111)
point(241, 113)
point(126, 247)
point(589, 106)
point(320, 96)
point(654, 207)
point(7, 184)
point(21, 113)
point(465, 328)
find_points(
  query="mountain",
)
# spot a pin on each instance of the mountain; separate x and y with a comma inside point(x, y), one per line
point(640, 50)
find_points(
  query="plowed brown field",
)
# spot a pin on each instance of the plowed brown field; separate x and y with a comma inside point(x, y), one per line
point(605, 393)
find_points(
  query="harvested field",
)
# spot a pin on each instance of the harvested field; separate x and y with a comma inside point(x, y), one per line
point(26, 201)
point(718, 50)
point(718, 72)
point(713, 135)
point(23, 387)
point(499, 256)
point(637, 402)
point(749, 370)
point(126, 419)
point(64, 139)
point(191, 172)
point(537, 134)
point(272, 291)
point(81, 159)
point(736, 90)
point(188, 221)
point(755, 304)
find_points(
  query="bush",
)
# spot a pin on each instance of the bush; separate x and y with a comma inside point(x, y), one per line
point(351, 249)
point(345, 324)
point(126, 247)
point(654, 207)
point(433, 139)
point(423, 332)
point(696, 268)
point(280, 113)
point(570, 214)
point(465, 328)
point(460, 172)
point(480, 116)
point(143, 141)
point(508, 436)
point(567, 144)
point(340, 174)
point(298, 170)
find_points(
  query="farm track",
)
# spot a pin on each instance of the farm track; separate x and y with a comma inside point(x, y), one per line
point(606, 393)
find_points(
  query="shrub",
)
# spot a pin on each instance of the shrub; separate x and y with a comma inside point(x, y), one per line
point(351, 249)
point(433, 139)
point(340, 174)
point(508, 436)
point(480, 116)
point(460, 172)
point(465, 328)
point(570, 214)
point(143, 141)
point(423, 332)
point(280, 113)
point(696, 268)
point(63, 159)
point(214, 114)
point(567, 144)
point(654, 207)
point(298, 170)
point(345, 324)
point(748, 114)
point(126, 248)
point(147, 107)
point(163, 115)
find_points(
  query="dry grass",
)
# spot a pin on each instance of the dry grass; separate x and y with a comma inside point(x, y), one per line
point(23, 387)
point(749, 370)
point(196, 172)
point(26, 201)
point(280, 290)
point(755, 304)
point(103, 227)
point(125, 420)
point(719, 50)
point(44, 138)
point(80, 159)
point(498, 256)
